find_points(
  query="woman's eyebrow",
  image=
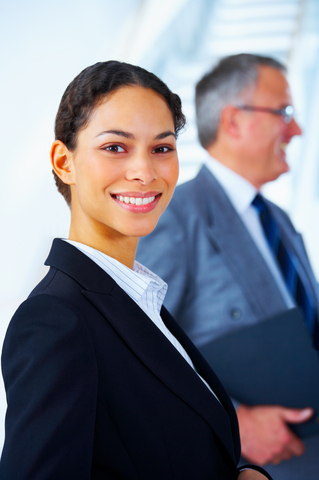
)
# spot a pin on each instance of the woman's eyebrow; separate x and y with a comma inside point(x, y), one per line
point(121, 133)
point(165, 134)
point(117, 132)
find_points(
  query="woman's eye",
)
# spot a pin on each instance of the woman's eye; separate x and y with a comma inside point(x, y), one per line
point(163, 149)
point(114, 149)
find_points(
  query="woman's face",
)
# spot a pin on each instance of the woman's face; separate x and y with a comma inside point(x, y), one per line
point(125, 166)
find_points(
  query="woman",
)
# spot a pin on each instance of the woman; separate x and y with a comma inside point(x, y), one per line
point(101, 383)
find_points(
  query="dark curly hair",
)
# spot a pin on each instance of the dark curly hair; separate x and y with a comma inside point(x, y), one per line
point(89, 88)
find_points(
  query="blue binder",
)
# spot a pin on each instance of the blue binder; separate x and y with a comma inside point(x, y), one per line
point(270, 363)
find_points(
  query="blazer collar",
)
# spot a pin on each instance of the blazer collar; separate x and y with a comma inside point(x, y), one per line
point(148, 343)
point(81, 268)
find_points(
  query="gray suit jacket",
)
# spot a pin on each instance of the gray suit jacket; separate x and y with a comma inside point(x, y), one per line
point(217, 279)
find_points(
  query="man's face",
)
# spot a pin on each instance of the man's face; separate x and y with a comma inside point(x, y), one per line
point(265, 136)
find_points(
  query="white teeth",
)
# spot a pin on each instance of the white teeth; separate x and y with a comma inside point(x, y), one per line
point(135, 200)
point(148, 200)
point(283, 146)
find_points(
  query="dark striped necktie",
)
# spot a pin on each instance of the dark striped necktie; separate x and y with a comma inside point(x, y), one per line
point(289, 266)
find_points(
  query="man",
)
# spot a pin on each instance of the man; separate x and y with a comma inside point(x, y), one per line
point(211, 248)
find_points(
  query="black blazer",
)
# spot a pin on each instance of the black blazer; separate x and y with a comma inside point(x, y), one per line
point(96, 391)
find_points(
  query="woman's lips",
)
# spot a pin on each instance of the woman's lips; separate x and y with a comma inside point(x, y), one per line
point(135, 200)
point(137, 203)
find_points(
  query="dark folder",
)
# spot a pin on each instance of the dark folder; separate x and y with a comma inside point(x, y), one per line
point(270, 363)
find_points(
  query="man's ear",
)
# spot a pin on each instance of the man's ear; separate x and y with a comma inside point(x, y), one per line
point(230, 121)
point(61, 162)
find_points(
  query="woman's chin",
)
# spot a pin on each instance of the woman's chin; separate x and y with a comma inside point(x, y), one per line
point(142, 232)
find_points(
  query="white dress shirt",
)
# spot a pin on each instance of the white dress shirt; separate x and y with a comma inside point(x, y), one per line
point(241, 193)
point(143, 286)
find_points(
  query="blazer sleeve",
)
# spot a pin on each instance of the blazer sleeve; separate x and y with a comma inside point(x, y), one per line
point(50, 376)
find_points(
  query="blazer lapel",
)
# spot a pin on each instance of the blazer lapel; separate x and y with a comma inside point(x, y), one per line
point(160, 356)
point(147, 342)
point(230, 237)
point(206, 372)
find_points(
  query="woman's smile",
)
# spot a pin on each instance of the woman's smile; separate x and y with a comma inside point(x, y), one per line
point(138, 202)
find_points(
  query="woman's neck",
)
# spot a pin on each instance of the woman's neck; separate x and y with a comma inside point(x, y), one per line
point(120, 247)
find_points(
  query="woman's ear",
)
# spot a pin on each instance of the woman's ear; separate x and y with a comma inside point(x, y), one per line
point(61, 162)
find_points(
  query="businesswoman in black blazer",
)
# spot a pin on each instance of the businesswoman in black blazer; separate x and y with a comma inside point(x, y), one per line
point(101, 382)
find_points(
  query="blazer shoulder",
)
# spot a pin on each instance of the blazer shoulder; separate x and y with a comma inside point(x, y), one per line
point(51, 378)
point(44, 284)
point(184, 195)
point(55, 305)
point(190, 198)
point(52, 315)
point(192, 186)
point(58, 285)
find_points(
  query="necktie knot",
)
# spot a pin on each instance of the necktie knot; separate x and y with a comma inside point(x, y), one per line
point(259, 203)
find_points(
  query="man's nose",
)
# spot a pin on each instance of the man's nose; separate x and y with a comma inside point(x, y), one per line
point(294, 128)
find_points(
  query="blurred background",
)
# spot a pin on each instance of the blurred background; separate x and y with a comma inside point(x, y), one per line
point(45, 44)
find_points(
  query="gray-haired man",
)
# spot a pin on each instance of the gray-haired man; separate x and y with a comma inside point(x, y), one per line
point(210, 246)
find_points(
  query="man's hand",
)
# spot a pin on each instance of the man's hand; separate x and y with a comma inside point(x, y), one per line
point(265, 436)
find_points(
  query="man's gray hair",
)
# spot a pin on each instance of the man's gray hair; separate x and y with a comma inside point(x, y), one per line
point(226, 84)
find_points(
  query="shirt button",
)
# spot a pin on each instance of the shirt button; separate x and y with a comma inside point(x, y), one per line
point(235, 313)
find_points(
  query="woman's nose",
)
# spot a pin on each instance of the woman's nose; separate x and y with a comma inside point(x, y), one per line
point(141, 169)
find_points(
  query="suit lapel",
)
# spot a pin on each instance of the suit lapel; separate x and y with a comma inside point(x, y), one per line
point(159, 356)
point(206, 372)
point(148, 343)
point(294, 241)
point(230, 237)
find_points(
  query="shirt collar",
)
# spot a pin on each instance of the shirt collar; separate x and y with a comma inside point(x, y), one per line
point(148, 276)
point(134, 282)
point(239, 190)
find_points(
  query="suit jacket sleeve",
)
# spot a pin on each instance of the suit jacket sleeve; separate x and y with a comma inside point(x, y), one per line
point(51, 407)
